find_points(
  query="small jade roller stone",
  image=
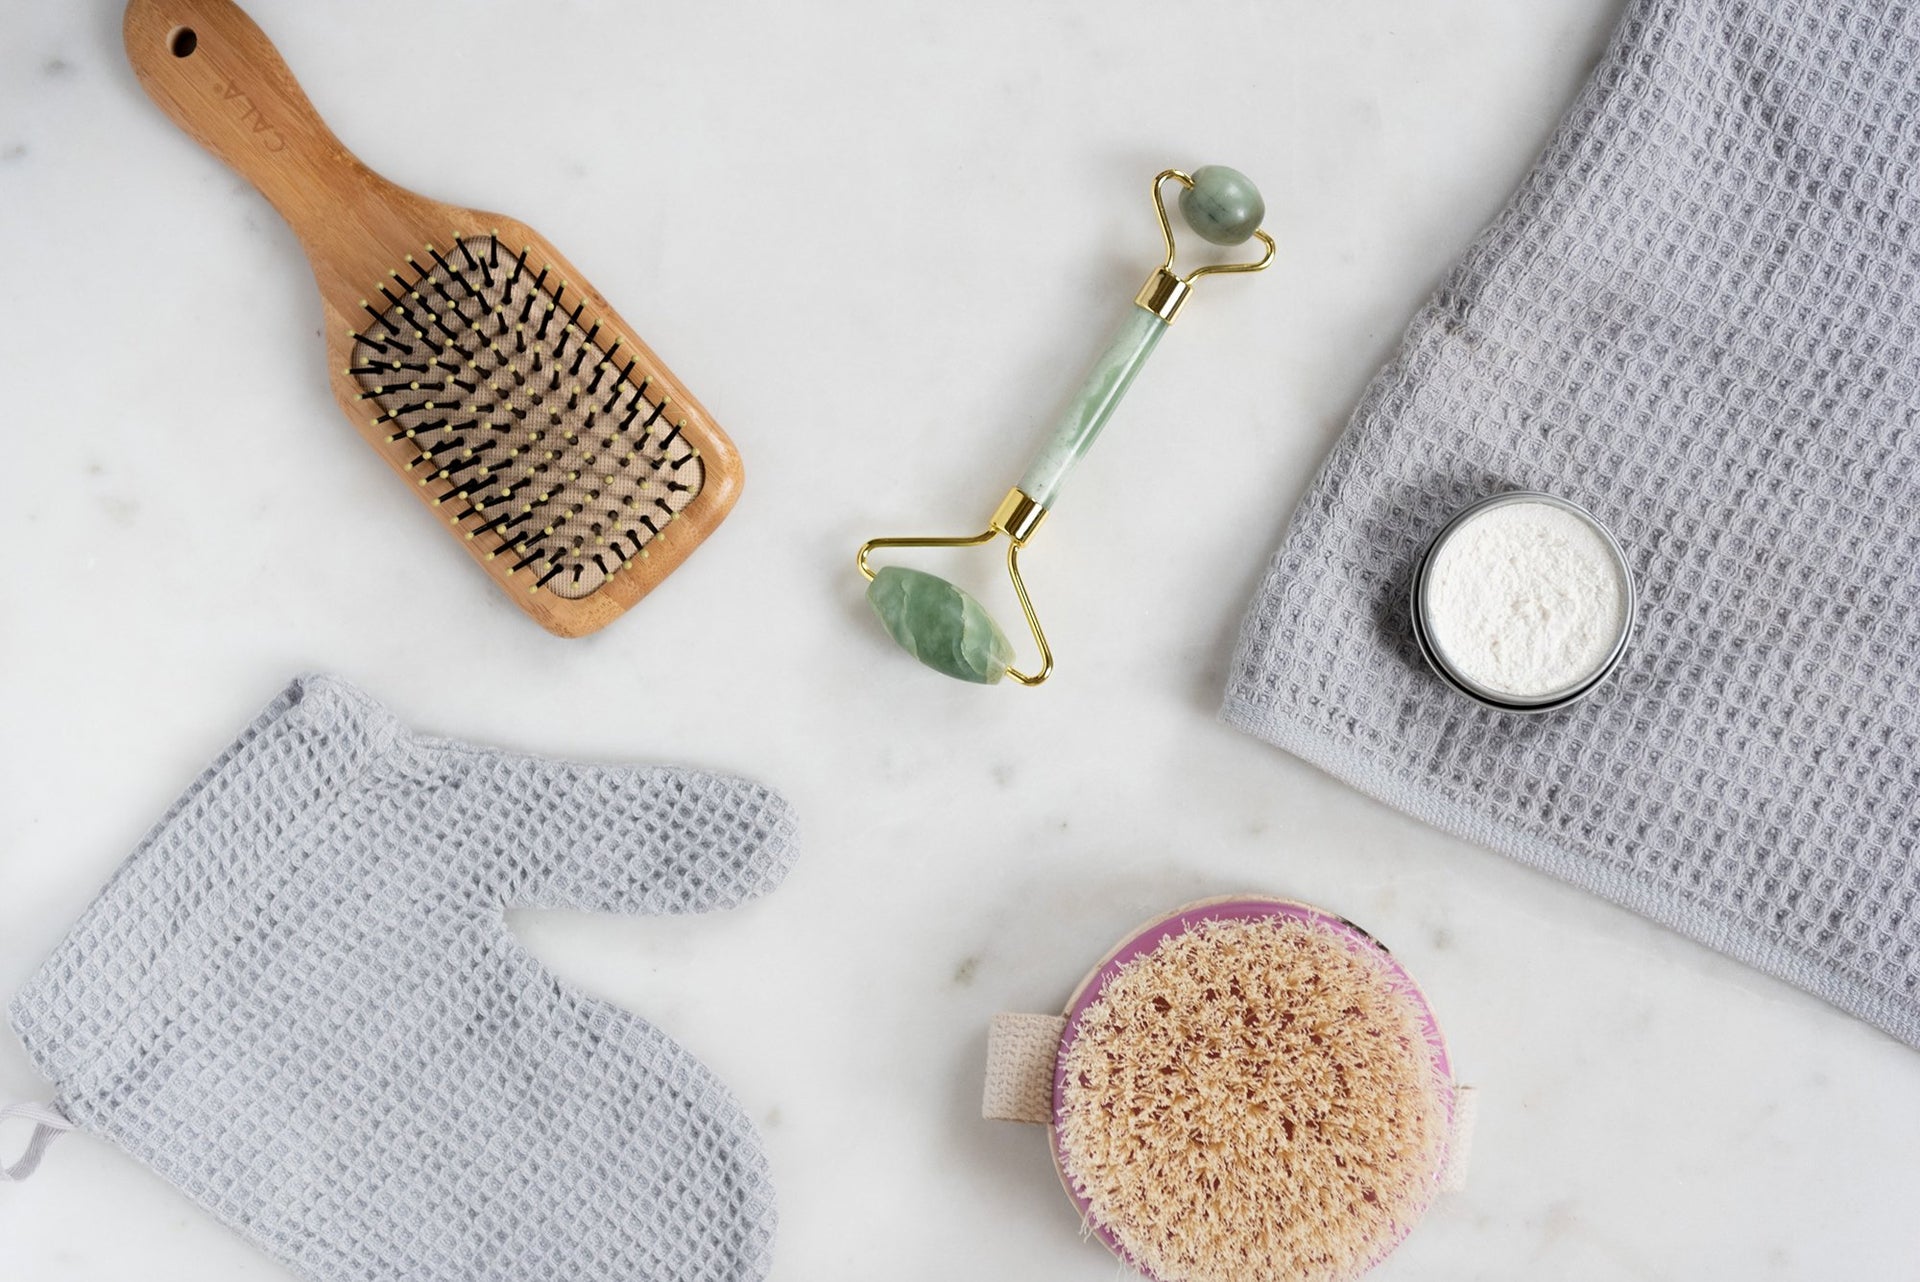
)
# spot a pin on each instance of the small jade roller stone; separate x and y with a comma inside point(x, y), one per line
point(943, 626)
point(1223, 206)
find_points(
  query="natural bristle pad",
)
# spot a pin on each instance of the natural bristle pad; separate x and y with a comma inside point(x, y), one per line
point(1254, 1098)
point(522, 416)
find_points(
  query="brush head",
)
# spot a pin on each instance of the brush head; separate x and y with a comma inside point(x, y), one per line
point(524, 418)
point(1251, 1093)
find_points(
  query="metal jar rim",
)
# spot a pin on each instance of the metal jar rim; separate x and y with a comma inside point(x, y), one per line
point(1553, 700)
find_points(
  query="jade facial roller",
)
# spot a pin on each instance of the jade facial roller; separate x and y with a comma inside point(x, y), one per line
point(944, 627)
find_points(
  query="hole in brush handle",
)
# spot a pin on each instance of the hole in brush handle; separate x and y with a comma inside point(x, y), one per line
point(216, 74)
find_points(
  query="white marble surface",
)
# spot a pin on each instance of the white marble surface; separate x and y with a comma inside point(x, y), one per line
point(879, 240)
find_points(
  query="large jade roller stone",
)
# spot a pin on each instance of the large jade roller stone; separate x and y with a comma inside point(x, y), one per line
point(940, 625)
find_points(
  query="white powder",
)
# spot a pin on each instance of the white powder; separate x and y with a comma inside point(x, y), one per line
point(1525, 599)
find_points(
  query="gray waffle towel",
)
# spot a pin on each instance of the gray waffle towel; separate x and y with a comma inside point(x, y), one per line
point(1700, 318)
point(298, 1002)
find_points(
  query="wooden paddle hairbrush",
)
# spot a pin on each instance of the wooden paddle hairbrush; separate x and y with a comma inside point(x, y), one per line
point(574, 466)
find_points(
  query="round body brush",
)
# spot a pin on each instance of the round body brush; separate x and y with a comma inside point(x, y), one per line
point(531, 419)
point(1245, 1090)
point(937, 622)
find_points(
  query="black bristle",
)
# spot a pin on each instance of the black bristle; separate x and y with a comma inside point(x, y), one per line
point(519, 439)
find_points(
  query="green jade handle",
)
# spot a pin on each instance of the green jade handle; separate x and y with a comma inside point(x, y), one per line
point(1079, 424)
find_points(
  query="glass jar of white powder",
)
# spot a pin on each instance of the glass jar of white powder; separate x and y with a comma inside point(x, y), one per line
point(1524, 602)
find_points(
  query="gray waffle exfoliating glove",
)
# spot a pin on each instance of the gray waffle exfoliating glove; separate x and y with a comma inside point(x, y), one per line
point(298, 1001)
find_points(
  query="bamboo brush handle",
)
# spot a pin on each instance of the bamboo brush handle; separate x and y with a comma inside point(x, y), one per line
point(214, 73)
point(219, 78)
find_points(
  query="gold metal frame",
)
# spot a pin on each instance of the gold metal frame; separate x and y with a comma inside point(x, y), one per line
point(1017, 517)
point(1166, 291)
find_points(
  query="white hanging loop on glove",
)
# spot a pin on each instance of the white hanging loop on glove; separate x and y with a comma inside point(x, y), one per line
point(49, 1123)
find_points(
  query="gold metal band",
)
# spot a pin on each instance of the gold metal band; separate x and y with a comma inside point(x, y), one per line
point(1018, 516)
point(1163, 294)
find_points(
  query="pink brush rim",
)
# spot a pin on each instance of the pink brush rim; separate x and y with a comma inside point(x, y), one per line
point(1238, 908)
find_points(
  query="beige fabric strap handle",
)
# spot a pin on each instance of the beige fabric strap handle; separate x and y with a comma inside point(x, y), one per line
point(1021, 1050)
point(1466, 1113)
